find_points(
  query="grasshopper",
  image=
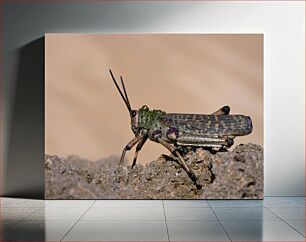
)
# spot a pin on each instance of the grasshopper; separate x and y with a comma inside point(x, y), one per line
point(175, 131)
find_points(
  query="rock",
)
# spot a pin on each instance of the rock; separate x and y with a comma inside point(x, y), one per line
point(239, 158)
point(236, 174)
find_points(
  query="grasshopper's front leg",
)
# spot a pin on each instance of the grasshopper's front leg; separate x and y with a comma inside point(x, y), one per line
point(129, 146)
point(138, 148)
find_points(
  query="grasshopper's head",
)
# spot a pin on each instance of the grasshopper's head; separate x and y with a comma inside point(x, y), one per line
point(133, 113)
point(143, 118)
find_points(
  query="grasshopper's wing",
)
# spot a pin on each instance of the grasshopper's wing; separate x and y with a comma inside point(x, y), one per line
point(211, 126)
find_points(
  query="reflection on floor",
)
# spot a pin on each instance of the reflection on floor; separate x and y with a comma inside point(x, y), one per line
point(273, 219)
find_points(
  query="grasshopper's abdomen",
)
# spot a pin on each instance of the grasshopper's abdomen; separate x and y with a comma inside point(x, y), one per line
point(206, 130)
point(210, 125)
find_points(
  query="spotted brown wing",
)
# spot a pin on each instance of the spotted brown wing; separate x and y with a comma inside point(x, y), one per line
point(209, 125)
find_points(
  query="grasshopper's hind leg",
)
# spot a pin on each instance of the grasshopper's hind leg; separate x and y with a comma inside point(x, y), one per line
point(128, 147)
point(173, 150)
point(138, 148)
point(225, 110)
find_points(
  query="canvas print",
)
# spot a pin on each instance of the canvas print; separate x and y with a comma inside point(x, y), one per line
point(154, 116)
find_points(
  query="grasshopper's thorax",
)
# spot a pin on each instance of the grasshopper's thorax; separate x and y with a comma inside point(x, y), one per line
point(147, 118)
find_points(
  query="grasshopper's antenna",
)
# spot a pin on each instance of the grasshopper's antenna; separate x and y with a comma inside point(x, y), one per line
point(124, 99)
point(125, 93)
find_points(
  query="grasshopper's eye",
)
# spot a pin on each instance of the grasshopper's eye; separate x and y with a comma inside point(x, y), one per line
point(133, 113)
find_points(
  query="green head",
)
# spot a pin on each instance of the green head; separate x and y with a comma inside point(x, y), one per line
point(144, 118)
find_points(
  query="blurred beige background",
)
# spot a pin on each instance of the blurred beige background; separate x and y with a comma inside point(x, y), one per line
point(196, 73)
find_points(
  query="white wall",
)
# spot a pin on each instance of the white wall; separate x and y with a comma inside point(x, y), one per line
point(283, 25)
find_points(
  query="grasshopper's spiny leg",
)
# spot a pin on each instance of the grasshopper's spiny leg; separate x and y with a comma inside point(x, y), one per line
point(128, 147)
point(225, 110)
point(138, 148)
point(183, 164)
point(175, 152)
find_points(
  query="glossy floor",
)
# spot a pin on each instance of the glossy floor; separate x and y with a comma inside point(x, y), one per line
point(273, 219)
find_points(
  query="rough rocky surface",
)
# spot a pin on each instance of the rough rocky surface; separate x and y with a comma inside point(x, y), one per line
point(236, 174)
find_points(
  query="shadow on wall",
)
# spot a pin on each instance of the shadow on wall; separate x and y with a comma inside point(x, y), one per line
point(26, 231)
point(25, 154)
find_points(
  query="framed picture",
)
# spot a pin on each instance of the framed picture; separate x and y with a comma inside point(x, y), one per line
point(154, 116)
